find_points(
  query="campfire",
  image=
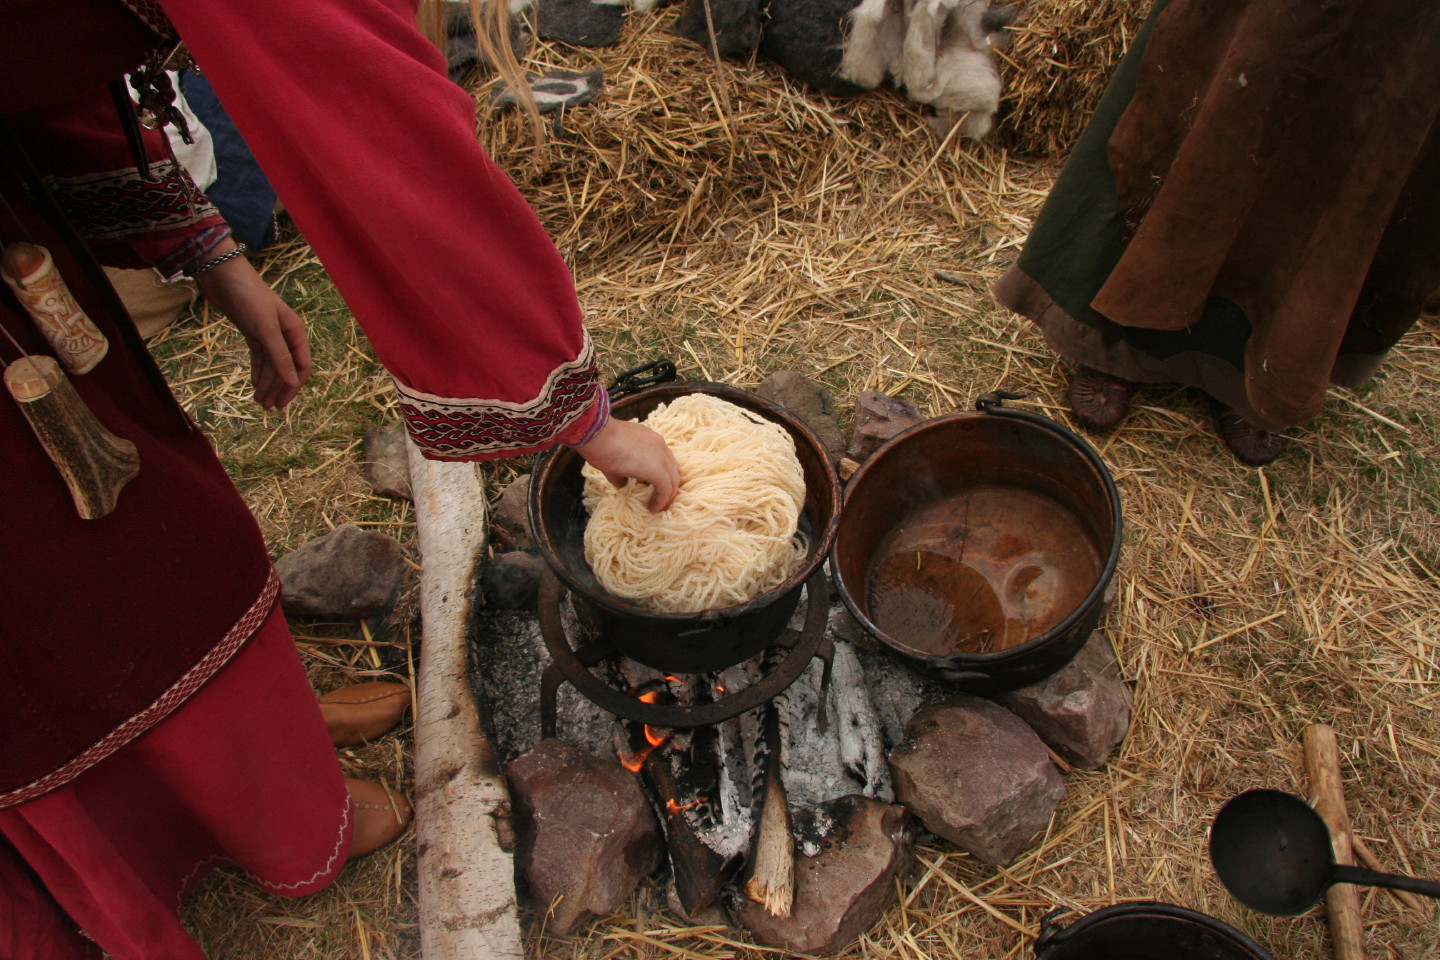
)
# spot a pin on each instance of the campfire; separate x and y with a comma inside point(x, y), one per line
point(722, 791)
point(785, 754)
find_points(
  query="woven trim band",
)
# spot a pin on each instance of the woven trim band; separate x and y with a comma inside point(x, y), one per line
point(180, 691)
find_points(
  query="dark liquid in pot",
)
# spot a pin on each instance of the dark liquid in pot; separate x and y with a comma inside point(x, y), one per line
point(981, 571)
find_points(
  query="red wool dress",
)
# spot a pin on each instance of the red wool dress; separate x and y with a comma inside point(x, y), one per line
point(157, 721)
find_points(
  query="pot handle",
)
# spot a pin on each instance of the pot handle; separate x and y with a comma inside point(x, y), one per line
point(1049, 929)
point(995, 399)
point(638, 378)
point(950, 674)
point(709, 626)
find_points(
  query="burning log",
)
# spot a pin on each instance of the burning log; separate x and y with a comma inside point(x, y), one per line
point(772, 872)
point(699, 872)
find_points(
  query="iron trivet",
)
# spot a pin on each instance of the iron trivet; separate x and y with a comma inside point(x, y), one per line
point(572, 664)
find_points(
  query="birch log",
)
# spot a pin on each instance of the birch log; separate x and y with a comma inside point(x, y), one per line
point(467, 875)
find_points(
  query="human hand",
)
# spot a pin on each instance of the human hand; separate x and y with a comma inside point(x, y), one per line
point(625, 450)
point(275, 334)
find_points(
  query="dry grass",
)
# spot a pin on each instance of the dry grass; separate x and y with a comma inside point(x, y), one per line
point(726, 219)
point(1061, 55)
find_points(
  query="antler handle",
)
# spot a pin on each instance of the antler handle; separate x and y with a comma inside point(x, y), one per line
point(95, 463)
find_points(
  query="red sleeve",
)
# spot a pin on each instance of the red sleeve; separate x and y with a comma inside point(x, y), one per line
point(373, 151)
point(160, 219)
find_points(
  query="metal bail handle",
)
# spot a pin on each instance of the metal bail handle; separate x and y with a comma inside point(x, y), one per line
point(638, 378)
point(1050, 928)
point(988, 402)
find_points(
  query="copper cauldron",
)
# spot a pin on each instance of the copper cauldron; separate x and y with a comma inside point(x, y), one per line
point(977, 547)
point(688, 642)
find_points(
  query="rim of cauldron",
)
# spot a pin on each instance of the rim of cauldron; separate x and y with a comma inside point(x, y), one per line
point(1094, 596)
point(553, 460)
point(1052, 935)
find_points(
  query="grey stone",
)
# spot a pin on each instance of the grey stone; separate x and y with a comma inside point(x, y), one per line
point(878, 418)
point(848, 853)
point(387, 461)
point(585, 834)
point(511, 518)
point(1082, 711)
point(810, 403)
point(511, 581)
point(348, 573)
point(976, 775)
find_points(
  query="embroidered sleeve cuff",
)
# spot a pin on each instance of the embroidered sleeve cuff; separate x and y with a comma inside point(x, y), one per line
point(449, 428)
point(584, 427)
point(193, 252)
point(161, 221)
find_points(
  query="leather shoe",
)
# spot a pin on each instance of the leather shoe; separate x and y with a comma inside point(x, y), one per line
point(1251, 445)
point(1098, 400)
point(381, 815)
point(364, 711)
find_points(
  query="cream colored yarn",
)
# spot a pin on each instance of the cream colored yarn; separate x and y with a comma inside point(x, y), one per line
point(731, 532)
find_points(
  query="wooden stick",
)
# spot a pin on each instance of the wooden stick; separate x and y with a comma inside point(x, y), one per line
point(772, 873)
point(698, 871)
point(94, 463)
point(1342, 900)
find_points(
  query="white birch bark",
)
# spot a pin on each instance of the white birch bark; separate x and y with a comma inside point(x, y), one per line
point(466, 878)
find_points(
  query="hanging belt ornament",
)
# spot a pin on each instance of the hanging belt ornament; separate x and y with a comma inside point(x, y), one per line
point(31, 273)
point(94, 463)
point(156, 93)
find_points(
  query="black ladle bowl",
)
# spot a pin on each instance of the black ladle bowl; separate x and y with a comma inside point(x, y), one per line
point(1273, 853)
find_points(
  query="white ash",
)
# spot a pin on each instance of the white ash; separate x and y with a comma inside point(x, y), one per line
point(507, 657)
point(812, 831)
point(869, 701)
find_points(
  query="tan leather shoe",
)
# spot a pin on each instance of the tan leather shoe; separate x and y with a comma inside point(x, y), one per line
point(381, 815)
point(364, 711)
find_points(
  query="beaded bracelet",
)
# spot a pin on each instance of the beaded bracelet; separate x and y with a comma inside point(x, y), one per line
point(211, 264)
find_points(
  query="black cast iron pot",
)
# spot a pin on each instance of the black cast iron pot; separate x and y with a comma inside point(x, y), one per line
point(977, 547)
point(693, 642)
point(1145, 930)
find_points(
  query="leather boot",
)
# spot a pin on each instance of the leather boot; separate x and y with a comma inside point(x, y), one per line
point(380, 814)
point(1098, 400)
point(364, 711)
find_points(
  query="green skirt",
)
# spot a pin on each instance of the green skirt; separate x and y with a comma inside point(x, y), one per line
point(1254, 209)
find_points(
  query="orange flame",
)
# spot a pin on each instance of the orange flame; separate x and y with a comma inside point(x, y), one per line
point(719, 688)
point(674, 807)
point(649, 697)
point(635, 761)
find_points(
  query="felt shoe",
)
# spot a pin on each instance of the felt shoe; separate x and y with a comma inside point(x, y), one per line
point(381, 815)
point(1098, 400)
point(364, 711)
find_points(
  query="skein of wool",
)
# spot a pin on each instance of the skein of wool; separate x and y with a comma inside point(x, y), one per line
point(731, 533)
